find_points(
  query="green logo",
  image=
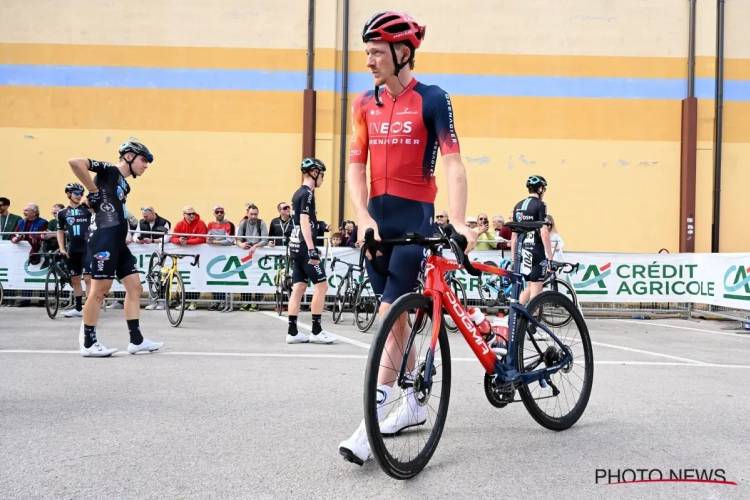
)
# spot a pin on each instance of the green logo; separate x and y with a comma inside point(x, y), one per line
point(592, 282)
point(740, 283)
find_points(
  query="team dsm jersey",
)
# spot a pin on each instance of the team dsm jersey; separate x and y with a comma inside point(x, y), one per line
point(75, 223)
point(303, 202)
point(114, 191)
point(529, 210)
point(403, 137)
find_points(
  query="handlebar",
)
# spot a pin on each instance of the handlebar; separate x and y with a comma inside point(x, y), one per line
point(565, 267)
point(196, 257)
point(455, 240)
point(355, 266)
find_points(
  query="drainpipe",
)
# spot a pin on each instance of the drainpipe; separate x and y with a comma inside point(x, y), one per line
point(344, 113)
point(718, 124)
point(689, 148)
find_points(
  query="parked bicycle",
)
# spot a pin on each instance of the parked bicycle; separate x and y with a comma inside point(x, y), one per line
point(535, 362)
point(165, 282)
point(355, 295)
point(58, 291)
point(282, 282)
point(458, 289)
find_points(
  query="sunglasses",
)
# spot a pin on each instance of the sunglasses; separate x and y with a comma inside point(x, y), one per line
point(77, 193)
point(285, 207)
point(482, 218)
point(219, 212)
point(440, 216)
point(191, 214)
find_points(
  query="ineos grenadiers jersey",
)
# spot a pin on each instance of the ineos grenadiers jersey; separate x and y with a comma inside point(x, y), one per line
point(403, 137)
point(303, 202)
point(529, 210)
point(114, 193)
point(75, 223)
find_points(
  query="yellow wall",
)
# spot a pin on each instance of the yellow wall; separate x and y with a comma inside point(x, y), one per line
point(223, 137)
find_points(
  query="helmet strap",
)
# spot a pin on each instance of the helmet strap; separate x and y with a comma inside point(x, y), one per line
point(399, 66)
point(130, 164)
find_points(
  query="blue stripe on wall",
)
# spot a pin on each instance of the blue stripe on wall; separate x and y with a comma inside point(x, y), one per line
point(470, 85)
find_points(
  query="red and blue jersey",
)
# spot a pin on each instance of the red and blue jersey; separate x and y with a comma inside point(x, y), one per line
point(402, 138)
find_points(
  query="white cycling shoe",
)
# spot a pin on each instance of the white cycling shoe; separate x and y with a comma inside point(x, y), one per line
point(146, 345)
point(356, 449)
point(97, 350)
point(408, 414)
point(321, 338)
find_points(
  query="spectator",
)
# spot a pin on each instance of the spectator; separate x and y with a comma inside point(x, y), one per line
point(190, 224)
point(220, 232)
point(349, 233)
point(663, 250)
point(336, 239)
point(220, 229)
point(151, 221)
point(443, 223)
point(49, 240)
point(483, 241)
point(471, 222)
point(501, 232)
point(30, 223)
point(281, 226)
point(556, 239)
point(8, 221)
point(252, 232)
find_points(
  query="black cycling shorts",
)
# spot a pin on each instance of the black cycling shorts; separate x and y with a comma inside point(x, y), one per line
point(302, 270)
point(538, 272)
point(77, 262)
point(395, 217)
point(110, 257)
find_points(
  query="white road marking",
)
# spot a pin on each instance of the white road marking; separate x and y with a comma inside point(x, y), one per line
point(651, 353)
point(651, 323)
point(307, 326)
point(345, 356)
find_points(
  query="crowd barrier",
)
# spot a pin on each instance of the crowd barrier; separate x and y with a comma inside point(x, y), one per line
point(713, 279)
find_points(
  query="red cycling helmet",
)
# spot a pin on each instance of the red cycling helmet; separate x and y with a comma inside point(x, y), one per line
point(393, 27)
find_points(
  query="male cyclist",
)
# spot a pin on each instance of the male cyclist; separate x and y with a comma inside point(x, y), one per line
point(110, 256)
point(306, 262)
point(537, 246)
point(73, 226)
point(402, 129)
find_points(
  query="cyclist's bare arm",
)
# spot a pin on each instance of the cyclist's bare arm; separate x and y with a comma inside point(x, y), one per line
point(455, 174)
point(80, 167)
point(513, 239)
point(304, 223)
point(61, 241)
point(547, 241)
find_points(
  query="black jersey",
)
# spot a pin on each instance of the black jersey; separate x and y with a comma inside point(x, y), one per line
point(75, 223)
point(303, 202)
point(114, 193)
point(529, 210)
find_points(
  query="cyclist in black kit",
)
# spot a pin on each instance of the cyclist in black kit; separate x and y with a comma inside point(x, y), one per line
point(73, 226)
point(109, 255)
point(306, 261)
point(537, 246)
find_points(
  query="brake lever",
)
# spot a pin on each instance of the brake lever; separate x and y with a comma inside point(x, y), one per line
point(370, 244)
point(196, 260)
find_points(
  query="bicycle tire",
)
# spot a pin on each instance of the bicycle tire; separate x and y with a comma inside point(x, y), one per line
point(450, 325)
point(2, 294)
point(564, 284)
point(390, 466)
point(51, 273)
point(152, 276)
point(279, 294)
point(364, 325)
point(339, 300)
point(547, 421)
point(168, 299)
point(412, 314)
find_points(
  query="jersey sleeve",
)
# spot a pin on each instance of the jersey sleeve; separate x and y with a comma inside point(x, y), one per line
point(440, 111)
point(306, 204)
point(359, 142)
point(61, 219)
point(542, 216)
point(98, 166)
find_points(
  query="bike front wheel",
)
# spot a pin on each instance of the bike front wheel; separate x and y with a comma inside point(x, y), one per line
point(552, 404)
point(152, 276)
point(460, 292)
point(421, 375)
point(52, 292)
point(175, 296)
point(339, 301)
point(365, 307)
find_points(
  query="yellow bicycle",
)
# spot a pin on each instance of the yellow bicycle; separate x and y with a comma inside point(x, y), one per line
point(165, 282)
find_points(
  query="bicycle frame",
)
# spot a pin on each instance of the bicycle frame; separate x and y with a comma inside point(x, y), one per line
point(443, 297)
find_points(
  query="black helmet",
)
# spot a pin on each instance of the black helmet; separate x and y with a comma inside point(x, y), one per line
point(138, 149)
point(73, 186)
point(535, 182)
point(309, 164)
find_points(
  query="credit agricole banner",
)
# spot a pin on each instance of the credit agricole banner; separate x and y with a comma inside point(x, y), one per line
point(720, 279)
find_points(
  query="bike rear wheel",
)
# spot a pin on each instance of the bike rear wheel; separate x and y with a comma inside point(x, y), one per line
point(556, 318)
point(339, 301)
point(52, 292)
point(175, 294)
point(424, 399)
point(152, 276)
point(543, 351)
point(2, 294)
point(365, 307)
point(460, 292)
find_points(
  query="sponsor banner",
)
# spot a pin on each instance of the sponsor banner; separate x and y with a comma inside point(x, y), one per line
point(719, 279)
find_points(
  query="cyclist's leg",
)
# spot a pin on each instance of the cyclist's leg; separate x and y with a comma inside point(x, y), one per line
point(317, 275)
point(75, 269)
point(299, 286)
point(103, 266)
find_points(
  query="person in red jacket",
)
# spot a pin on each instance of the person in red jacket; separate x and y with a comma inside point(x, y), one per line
point(191, 224)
